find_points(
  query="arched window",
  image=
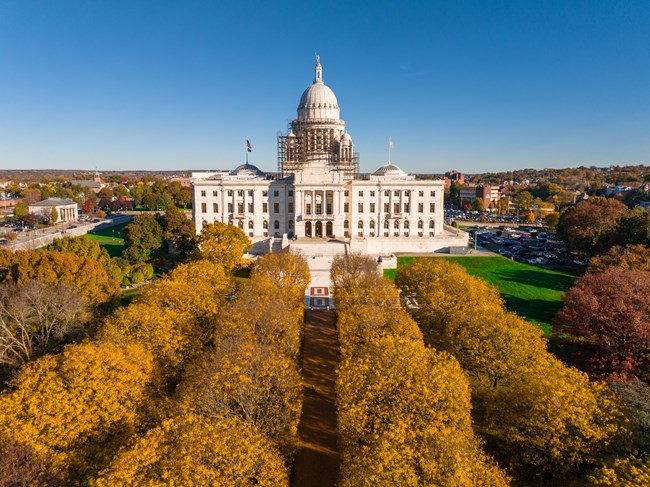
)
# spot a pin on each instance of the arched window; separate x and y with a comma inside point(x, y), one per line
point(346, 224)
point(250, 224)
point(420, 224)
point(386, 224)
point(406, 223)
point(396, 224)
point(372, 224)
point(265, 225)
point(204, 223)
point(240, 224)
point(431, 224)
point(276, 225)
point(360, 224)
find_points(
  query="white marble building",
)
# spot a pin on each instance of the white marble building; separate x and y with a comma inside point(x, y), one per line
point(318, 192)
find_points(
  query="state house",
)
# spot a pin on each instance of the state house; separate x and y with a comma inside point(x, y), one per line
point(319, 193)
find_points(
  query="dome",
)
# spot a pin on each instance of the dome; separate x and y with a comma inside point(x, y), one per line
point(318, 101)
point(389, 170)
point(247, 170)
point(346, 138)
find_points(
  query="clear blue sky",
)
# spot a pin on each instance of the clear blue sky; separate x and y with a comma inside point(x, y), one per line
point(472, 85)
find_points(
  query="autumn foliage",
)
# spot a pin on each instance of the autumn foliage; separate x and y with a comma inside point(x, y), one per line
point(543, 420)
point(404, 410)
point(612, 311)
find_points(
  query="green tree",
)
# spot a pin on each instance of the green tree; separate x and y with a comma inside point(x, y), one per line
point(54, 215)
point(179, 231)
point(551, 220)
point(142, 238)
point(478, 204)
point(20, 211)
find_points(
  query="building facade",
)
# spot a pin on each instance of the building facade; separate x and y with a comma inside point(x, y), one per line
point(318, 191)
point(67, 209)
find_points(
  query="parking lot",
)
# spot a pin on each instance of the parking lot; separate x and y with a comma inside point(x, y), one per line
point(525, 244)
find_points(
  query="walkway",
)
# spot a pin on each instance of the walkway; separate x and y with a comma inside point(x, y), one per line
point(317, 460)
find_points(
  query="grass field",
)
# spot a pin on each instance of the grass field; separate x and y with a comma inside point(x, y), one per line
point(533, 292)
point(110, 239)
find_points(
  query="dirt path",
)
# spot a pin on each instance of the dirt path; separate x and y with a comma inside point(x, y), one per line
point(317, 460)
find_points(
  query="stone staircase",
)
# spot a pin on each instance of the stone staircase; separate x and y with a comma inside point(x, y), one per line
point(319, 248)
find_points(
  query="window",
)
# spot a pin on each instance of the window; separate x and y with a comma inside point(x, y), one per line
point(290, 193)
point(421, 193)
point(250, 207)
point(240, 207)
point(215, 208)
point(396, 234)
point(372, 224)
point(431, 224)
point(395, 207)
point(372, 207)
point(386, 207)
point(360, 225)
point(203, 208)
point(406, 224)
point(420, 207)
point(360, 234)
point(432, 207)
point(240, 224)
point(346, 193)
point(396, 224)
point(265, 207)
point(202, 193)
point(265, 193)
point(433, 194)
point(407, 208)
point(250, 193)
point(372, 193)
point(229, 207)
point(329, 208)
point(276, 193)
point(308, 208)
point(319, 208)
point(250, 224)
point(386, 193)
point(215, 193)
point(346, 207)
point(386, 234)
point(240, 192)
point(265, 225)
point(346, 224)
point(290, 207)
point(407, 193)
point(276, 225)
point(360, 193)
point(396, 192)
point(360, 207)
point(386, 224)
point(230, 192)
point(420, 224)
point(276, 207)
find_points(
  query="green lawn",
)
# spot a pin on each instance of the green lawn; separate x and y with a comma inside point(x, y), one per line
point(532, 291)
point(110, 239)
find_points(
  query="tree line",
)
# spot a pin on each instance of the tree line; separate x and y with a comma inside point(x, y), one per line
point(195, 382)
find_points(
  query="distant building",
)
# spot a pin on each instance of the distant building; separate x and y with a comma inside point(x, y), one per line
point(470, 192)
point(95, 184)
point(454, 177)
point(66, 208)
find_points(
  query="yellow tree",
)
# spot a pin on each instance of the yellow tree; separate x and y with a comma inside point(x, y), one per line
point(194, 450)
point(248, 380)
point(223, 244)
point(404, 419)
point(288, 272)
point(75, 408)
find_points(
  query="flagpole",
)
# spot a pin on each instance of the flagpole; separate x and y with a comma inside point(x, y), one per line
point(247, 150)
point(389, 148)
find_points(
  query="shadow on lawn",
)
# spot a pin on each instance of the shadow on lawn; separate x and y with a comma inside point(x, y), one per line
point(539, 310)
point(554, 282)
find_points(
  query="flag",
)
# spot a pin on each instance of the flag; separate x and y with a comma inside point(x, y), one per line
point(390, 144)
point(249, 146)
